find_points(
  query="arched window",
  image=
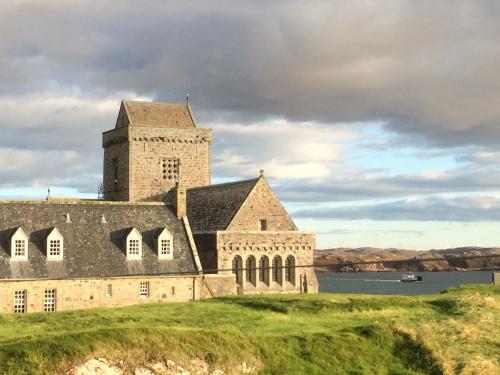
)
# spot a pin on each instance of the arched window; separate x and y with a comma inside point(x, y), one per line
point(290, 269)
point(264, 270)
point(277, 269)
point(250, 266)
point(238, 269)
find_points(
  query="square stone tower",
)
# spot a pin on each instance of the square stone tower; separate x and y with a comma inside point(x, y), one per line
point(154, 147)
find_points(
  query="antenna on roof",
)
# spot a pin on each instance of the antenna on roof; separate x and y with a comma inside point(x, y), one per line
point(187, 99)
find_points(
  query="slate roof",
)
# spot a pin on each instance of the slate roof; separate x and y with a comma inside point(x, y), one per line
point(91, 248)
point(170, 115)
point(212, 208)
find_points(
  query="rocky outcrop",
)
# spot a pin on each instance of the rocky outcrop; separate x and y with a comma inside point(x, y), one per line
point(197, 366)
point(383, 260)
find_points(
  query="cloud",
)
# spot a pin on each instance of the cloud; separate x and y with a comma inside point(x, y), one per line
point(426, 69)
point(459, 209)
point(34, 168)
point(283, 149)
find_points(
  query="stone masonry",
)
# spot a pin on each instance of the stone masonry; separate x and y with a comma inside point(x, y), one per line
point(162, 233)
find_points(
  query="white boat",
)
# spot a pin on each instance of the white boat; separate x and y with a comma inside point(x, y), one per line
point(409, 277)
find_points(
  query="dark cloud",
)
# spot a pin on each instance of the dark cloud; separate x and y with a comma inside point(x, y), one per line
point(426, 68)
point(461, 209)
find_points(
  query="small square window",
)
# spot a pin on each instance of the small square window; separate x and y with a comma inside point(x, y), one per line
point(49, 303)
point(170, 169)
point(19, 301)
point(144, 289)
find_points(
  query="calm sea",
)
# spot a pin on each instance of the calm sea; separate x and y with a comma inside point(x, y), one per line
point(389, 282)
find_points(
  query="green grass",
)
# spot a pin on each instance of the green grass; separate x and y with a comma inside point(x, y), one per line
point(454, 332)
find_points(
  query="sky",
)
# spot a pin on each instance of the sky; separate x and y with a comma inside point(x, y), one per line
point(376, 122)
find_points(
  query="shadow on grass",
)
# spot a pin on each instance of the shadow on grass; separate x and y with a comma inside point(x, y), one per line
point(446, 306)
point(412, 352)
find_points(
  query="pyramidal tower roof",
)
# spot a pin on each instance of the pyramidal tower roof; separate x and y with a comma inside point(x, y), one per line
point(168, 115)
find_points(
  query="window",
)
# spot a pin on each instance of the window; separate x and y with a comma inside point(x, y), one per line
point(276, 269)
point(55, 245)
point(55, 248)
point(19, 248)
point(114, 163)
point(250, 269)
point(170, 169)
point(165, 244)
point(19, 245)
point(19, 301)
point(144, 289)
point(290, 269)
point(109, 290)
point(133, 243)
point(165, 247)
point(237, 267)
point(133, 247)
point(264, 270)
point(263, 224)
point(49, 302)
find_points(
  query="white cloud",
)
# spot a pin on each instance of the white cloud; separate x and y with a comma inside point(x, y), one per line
point(283, 149)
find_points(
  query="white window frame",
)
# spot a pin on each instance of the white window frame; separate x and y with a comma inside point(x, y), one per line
point(165, 235)
point(144, 289)
point(19, 301)
point(51, 239)
point(133, 237)
point(49, 300)
point(18, 238)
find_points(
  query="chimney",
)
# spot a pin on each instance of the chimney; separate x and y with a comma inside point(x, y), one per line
point(179, 200)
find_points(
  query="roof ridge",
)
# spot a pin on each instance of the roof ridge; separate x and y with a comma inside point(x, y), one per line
point(223, 184)
point(154, 102)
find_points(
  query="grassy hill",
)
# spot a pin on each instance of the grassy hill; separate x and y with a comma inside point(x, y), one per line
point(455, 332)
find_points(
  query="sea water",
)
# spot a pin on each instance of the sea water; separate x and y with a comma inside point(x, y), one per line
point(389, 282)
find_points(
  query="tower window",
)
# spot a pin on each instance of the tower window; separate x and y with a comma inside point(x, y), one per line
point(114, 163)
point(170, 169)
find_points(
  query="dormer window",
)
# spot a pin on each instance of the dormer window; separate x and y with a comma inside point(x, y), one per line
point(19, 245)
point(164, 245)
point(55, 245)
point(133, 243)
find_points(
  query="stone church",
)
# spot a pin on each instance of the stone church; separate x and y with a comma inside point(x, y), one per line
point(160, 231)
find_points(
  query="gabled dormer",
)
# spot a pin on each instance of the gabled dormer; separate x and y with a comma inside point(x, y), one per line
point(164, 244)
point(133, 244)
point(18, 244)
point(54, 245)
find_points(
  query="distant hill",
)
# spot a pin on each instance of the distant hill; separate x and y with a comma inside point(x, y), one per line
point(375, 259)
